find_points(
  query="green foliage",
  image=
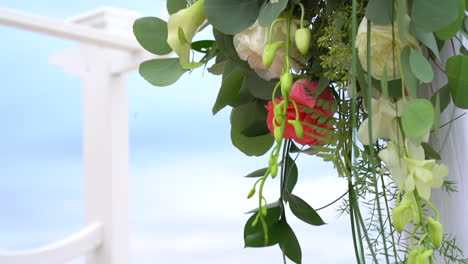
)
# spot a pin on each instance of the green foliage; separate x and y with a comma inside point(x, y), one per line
point(457, 73)
point(254, 235)
point(304, 211)
point(241, 118)
point(434, 15)
point(271, 11)
point(288, 241)
point(231, 16)
point(380, 11)
point(418, 117)
point(420, 66)
point(161, 72)
point(151, 33)
point(175, 5)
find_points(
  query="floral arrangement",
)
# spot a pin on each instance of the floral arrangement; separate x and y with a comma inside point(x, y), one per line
point(347, 81)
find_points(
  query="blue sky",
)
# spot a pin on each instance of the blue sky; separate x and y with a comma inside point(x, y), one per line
point(187, 192)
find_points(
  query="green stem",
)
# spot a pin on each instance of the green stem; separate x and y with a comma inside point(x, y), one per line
point(302, 14)
point(371, 140)
point(392, 230)
point(351, 216)
point(427, 241)
point(364, 230)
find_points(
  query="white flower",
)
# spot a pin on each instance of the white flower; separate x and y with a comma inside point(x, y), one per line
point(188, 21)
point(381, 49)
point(251, 42)
point(410, 170)
point(384, 122)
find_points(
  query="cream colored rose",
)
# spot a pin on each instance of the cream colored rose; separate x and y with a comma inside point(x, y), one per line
point(381, 49)
point(251, 42)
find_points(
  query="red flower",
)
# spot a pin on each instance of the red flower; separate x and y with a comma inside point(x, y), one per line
point(303, 98)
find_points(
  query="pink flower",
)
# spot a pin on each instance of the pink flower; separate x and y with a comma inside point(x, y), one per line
point(304, 100)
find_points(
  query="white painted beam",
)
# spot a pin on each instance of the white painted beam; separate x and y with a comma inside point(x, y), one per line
point(67, 249)
point(67, 30)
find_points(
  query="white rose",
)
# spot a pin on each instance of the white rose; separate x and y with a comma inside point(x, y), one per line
point(251, 42)
point(381, 49)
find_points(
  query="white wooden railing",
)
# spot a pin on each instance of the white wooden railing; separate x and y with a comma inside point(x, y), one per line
point(107, 52)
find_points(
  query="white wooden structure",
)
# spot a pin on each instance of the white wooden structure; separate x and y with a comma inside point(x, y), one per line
point(108, 51)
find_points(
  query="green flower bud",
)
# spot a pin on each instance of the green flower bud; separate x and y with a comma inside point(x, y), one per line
point(274, 170)
point(413, 255)
point(298, 128)
point(424, 257)
point(435, 231)
point(278, 134)
point(251, 193)
point(399, 219)
point(269, 52)
point(302, 38)
point(286, 84)
point(264, 210)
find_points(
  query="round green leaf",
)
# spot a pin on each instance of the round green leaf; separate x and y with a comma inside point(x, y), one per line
point(411, 82)
point(420, 67)
point(418, 117)
point(151, 33)
point(175, 5)
point(457, 73)
point(271, 11)
point(434, 15)
point(241, 118)
point(161, 72)
point(452, 29)
point(231, 16)
point(379, 11)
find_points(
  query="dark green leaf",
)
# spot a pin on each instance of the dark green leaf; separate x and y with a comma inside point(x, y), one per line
point(434, 15)
point(151, 33)
point(444, 97)
point(430, 152)
point(229, 90)
point(420, 67)
point(254, 235)
point(304, 211)
point(269, 206)
point(161, 72)
point(379, 11)
point(428, 39)
point(457, 73)
point(288, 241)
point(323, 83)
point(202, 45)
point(452, 29)
point(225, 45)
point(241, 118)
point(257, 173)
point(175, 5)
point(403, 19)
point(270, 11)
point(411, 82)
point(257, 86)
point(291, 176)
point(257, 128)
point(418, 117)
point(231, 16)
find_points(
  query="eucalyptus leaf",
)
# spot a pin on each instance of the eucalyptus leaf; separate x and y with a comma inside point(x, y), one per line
point(254, 235)
point(258, 128)
point(229, 90)
point(452, 29)
point(420, 67)
point(457, 73)
point(242, 117)
point(304, 211)
point(161, 72)
point(151, 33)
point(288, 241)
point(418, 117)
point(202, 45)
point(231, 16)
point(443, 94)
point(434, 15)
point(258, 87)
point(175, 5)
point(428, 39)
point(410, 80)
point(379, 11)
point(403, 19)
point(257, 173)
point(271, 11)
point(290, 176)
point(430, 152)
